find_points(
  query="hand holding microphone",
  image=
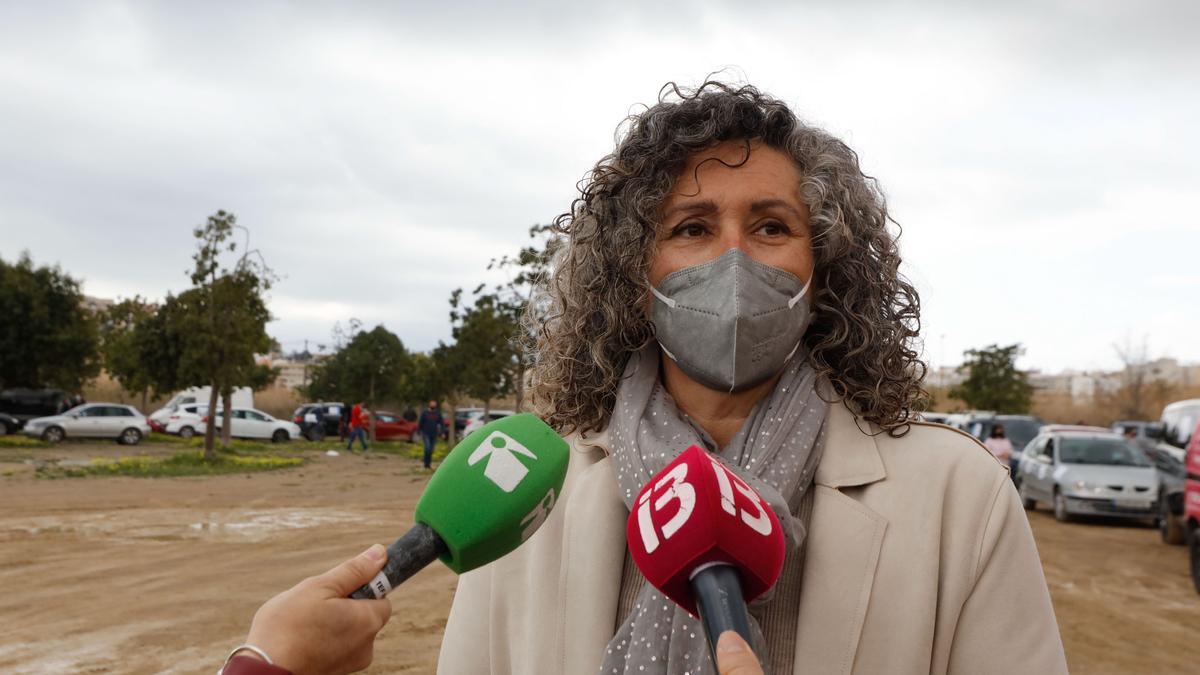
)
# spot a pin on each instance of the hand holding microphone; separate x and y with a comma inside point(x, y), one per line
point(706, 540)
point(491, 493)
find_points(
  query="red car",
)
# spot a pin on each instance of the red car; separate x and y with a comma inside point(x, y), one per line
point(390, 427)
point(1191, 503)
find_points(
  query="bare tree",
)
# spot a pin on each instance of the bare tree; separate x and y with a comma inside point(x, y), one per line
point(1140, 389)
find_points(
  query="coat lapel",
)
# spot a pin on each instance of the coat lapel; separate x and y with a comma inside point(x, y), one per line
point(844, 542)
point(593, 555)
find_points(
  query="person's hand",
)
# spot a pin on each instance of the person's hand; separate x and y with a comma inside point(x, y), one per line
point(734, 656)
point(314, 628)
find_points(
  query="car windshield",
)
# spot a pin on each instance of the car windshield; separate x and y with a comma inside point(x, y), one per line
point(1105, 451)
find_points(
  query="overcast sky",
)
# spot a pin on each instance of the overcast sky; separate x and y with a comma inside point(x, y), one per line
point(1043, 158)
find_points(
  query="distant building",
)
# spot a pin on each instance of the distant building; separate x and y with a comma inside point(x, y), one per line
point(295, 370)
point(96, 305)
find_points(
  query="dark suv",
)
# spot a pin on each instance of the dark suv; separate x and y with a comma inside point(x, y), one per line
point(318, 420)
point(18, 406)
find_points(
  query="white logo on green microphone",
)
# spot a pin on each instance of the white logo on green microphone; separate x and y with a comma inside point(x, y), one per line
point(534, 519)
point(503, 468)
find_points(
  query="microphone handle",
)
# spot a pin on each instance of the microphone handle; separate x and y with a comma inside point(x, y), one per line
point(717, 589)
point(405, 557)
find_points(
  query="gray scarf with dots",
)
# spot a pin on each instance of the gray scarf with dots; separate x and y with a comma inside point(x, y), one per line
point(776, 452)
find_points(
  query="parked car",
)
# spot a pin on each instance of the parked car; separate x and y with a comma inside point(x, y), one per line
point(21, 405)
point(242, 397)
point(1178, 421)
point(92, 420)
point(476, 419)
point(961, 420)
point(461, 417)
point(188, 420)
point(390, 426)
point(251, 423)
point(318, 420)
point(1086, 472)
point(9, 424)
point(933, 417)
point(1169, 465)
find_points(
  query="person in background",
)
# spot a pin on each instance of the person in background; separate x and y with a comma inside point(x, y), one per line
point(430, 425)
point(344, 423)
point(357, 430)
point(999, 445)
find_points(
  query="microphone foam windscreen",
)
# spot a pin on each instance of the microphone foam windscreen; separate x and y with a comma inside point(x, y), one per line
point(694, 513)
point(494, 490)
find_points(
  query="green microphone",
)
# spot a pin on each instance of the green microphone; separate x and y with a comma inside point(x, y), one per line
point(490, 494)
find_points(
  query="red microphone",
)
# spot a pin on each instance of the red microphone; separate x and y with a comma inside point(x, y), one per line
point(707, 540)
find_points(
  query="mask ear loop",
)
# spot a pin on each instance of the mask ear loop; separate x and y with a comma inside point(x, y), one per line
point(791, 304)
point(668, 301)
point(796, 298)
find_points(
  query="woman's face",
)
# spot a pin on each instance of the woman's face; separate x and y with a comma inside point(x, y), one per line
point(755, 207)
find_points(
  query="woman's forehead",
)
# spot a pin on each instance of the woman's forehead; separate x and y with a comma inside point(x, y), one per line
point(734, 170)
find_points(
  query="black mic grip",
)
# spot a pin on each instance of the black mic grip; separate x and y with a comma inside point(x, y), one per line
point(717, 589)
point(405, 557)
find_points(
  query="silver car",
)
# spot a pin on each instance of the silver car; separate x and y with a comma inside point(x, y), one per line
point(92, 420)
point(1084, 472)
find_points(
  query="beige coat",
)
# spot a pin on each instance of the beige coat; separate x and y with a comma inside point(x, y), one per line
point(920, 560)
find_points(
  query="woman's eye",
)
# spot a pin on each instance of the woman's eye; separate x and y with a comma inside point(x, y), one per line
point(774, 228)
point(688, 230)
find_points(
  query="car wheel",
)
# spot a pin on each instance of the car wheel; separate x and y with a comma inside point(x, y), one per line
point(53, 435)
point(130, 436)
point(1194, 556)
point(1060, 508)
point(1168, 525)
point(280, 436)
point(187, 433)
point(1029, 504)
point(316, 434)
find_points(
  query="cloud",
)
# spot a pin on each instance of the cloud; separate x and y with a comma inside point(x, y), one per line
point(1041, 156)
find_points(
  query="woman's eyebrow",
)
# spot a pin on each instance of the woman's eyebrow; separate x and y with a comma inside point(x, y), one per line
point(697, 206)
point(770, 203)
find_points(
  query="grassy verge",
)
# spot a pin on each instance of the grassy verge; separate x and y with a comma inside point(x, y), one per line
point(404, 449)
point(188, 463)
point(19, 440)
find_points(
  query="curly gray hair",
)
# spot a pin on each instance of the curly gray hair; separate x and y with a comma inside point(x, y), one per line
point(866, 315)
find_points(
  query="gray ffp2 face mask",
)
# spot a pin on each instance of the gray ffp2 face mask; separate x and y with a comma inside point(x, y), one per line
point(732, 322)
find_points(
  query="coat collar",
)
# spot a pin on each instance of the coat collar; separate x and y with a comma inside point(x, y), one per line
point(851, 457)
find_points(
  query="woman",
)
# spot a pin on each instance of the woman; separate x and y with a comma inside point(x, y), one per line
point(729, 279)
point(999, 445)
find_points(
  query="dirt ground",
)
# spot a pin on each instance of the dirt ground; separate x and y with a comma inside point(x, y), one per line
point(123, 575)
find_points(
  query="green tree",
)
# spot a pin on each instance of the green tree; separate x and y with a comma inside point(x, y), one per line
point(485, 356)
point(47, 337)
point(993, 381)
point(372, 366)
point(119, 339)
point(224, 324)
point(527, 274)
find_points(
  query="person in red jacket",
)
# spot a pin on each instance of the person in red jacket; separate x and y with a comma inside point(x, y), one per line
point(357, 427)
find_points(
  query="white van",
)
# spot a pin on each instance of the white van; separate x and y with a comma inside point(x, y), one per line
point(243, 397)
